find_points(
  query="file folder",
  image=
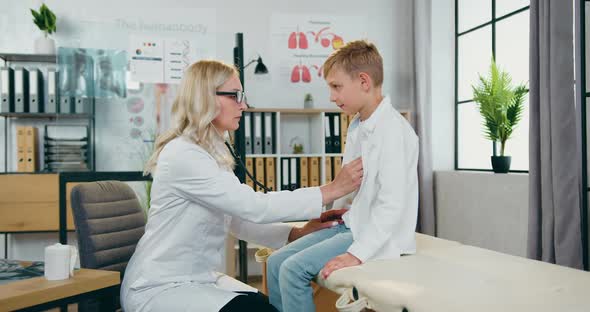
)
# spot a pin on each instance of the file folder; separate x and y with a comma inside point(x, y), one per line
point(250, 168)
point(327, 134)
point(328, 169)
point(257, 133)
point(284, 173)
point(66, 104)
point(336, 148)
point(20, 149)
point(343, 131)
point(248, 132)
point(314, 171)
point(52, 91)
point(36, 91)
point(337, 161)
point(259, 161)
point(270, 174)
point(21, 90)
point(81, 105)
point(31, 163)
point(268, 133)
point(303, 172)
point(293, 175)
point(6, 90)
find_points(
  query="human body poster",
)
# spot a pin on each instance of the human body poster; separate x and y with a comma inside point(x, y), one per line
point(300, 45)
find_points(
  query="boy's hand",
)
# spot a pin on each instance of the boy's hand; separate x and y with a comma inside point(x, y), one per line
point(339, 262)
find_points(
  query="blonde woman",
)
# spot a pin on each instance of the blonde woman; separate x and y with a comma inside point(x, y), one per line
point(196, 199)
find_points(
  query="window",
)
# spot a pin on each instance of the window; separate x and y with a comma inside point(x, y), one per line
point(486, 28)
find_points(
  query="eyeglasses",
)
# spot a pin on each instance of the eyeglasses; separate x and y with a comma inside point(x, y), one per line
point(238, 95)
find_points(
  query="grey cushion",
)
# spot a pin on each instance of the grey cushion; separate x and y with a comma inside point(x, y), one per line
point(109, 222)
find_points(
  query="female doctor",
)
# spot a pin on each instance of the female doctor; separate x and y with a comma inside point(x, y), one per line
point(196, 199)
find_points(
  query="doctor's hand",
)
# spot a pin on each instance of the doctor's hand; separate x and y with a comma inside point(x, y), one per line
point(328, 219)
point(339, 262)
point(348, 180)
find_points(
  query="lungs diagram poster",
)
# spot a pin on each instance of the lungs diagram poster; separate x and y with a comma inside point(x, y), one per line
point(300, 45)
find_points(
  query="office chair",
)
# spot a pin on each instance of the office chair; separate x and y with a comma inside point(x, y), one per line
point(109, 223)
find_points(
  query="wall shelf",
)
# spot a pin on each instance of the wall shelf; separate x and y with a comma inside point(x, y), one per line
point(18, 57)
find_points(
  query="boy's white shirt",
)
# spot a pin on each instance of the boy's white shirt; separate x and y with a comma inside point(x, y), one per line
point(384, 211)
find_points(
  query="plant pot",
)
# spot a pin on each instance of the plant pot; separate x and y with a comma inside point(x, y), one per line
point(308, 104)
point(44, 45)
point(501, 164)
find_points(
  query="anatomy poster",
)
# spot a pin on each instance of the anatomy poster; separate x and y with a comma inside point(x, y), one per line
point(300, 45)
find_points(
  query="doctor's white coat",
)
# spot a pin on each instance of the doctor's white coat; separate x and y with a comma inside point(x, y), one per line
point(194, 204)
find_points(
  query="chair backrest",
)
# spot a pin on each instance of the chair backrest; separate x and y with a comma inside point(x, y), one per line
point(109, 222)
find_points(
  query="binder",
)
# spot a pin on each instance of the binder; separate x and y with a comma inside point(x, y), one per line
point(66, 104)
point(31, 160)
point(314, 171)
point(304, 172)
point(257, 133)
point(81, 105)
point(327, 134)
point(36, 91)
point(270, 174)
point(268, 133)
point(250, 168)
point(294, 174)
point(20, 149)
point(21, 90)
point(337, 161)
point(259, 161)
point(336, 148)
point(343, 131)
point(284, 173)
point(6, 90)
point(52, 91)
point(248, 132)
point(328, 169)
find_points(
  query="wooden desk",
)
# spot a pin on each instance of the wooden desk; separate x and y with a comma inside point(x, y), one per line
point(37, 294)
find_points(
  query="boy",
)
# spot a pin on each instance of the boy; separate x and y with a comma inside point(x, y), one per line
point(382, 218)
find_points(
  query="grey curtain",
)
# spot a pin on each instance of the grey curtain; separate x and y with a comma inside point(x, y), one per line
point(422, 109)
point(554, 230)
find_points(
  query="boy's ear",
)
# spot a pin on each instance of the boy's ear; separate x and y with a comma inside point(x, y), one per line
point(366, 81)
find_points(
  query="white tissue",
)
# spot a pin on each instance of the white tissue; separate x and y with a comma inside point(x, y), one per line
point(59, 261)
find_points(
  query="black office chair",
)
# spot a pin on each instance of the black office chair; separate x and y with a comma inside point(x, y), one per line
point(109, 223)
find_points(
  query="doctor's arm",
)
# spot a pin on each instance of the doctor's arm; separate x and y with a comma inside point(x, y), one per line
point(276, 235)
point(200, 180)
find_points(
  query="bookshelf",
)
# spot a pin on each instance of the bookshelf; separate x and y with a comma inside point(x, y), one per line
point(288, 127)
point(40, 119)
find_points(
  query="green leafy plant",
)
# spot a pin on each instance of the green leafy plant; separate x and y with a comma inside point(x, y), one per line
point(500, 104)
point(44, 19)
point(308, 97)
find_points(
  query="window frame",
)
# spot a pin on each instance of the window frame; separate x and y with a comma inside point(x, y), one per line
point(492, 22)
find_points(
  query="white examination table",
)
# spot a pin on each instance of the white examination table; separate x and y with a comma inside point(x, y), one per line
point(448, 276)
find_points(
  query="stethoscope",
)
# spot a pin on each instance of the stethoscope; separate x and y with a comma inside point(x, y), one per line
point(239, 160)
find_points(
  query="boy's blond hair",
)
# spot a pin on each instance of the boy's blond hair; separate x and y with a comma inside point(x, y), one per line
point(355, 57)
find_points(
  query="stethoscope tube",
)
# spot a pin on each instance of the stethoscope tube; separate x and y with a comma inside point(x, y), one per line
point(239, 160)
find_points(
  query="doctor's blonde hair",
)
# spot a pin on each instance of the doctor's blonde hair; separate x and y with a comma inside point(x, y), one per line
point(194, 109)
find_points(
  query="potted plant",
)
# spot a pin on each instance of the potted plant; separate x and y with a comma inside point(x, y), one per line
point(46, 21)
point(308, 101)
point(501, 105)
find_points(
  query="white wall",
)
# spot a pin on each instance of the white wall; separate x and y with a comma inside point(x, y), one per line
point(249, 17)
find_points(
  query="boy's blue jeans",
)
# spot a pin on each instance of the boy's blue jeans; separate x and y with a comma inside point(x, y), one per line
point(290, 269)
